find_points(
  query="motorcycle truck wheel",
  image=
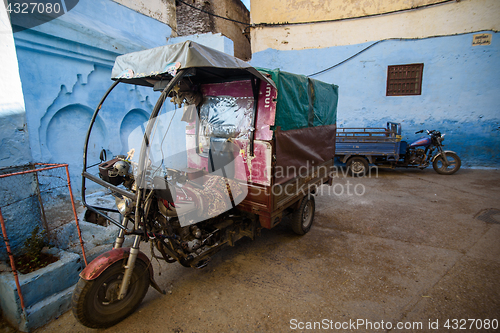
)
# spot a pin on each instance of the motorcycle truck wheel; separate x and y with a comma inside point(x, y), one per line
point(357, 166)
point(302, 218)
point(454, 164)
point(95, 303)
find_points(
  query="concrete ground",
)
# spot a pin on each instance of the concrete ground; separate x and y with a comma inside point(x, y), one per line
point(410, 247)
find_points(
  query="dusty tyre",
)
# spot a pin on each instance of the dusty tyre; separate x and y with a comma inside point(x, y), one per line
point(303, 217)
point(94, 302)
point(454, 164)
point(357, 166)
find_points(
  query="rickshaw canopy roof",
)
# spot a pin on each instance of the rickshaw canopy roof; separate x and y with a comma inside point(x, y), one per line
point(149, 66)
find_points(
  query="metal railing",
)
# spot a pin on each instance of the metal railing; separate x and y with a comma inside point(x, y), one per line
point(48, 178)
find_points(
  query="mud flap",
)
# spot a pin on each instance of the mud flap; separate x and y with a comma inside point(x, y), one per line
point(105, 260)
point(446, 152)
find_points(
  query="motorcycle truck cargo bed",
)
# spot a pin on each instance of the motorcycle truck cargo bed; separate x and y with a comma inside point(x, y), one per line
point(371, 142)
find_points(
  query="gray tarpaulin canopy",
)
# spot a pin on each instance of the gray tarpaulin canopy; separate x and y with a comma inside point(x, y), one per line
point(148, 66)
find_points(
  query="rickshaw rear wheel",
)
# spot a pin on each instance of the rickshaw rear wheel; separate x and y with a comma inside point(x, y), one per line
point(95, 302)
point(357, 166)
point(302, 218)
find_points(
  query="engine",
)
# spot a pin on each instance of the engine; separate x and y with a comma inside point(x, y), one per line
point(416, 156)
point(175, 215)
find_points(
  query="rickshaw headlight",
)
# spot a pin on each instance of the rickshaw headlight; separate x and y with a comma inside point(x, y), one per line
point(124, 205)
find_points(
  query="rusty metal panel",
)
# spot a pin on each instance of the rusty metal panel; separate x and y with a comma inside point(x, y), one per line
point(258, 197)
point(270, 202)
point(285, 194)
point(258, 201)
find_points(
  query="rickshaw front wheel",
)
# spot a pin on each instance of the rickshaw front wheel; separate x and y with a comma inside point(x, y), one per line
point(95, 303)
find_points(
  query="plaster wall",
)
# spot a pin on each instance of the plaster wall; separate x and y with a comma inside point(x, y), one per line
point(293, 11)
point(234, 9)
point(13, 132)
point(440, 20)
point(215, 41)
point(14, 147)
point(459, 97)
point(46, 292)
point(20, 209)
point(191, 21)
point(65, 68)
point(161, 10)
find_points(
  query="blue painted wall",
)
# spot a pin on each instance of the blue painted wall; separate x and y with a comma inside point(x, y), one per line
point(65, 68)
point(460, 90)
point(215, 41)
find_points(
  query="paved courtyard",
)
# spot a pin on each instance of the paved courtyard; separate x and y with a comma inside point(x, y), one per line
point(409, 248)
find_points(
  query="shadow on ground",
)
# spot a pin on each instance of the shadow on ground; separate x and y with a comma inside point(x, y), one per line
point(407, 247)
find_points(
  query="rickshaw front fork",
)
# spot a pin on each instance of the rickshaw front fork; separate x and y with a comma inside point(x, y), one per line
point(134, 251)
point(129, 268)
point(121, 234)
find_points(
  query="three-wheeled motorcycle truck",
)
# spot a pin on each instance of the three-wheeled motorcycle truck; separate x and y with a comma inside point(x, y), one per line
point(228, 150)
point(359, 146)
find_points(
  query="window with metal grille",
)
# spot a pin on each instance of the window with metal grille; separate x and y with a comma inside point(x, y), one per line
point(404, 80)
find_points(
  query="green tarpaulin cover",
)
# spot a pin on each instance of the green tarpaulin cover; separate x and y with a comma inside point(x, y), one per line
point(302, 101)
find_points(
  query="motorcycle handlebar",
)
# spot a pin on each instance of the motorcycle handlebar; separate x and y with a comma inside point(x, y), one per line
point(431, 132)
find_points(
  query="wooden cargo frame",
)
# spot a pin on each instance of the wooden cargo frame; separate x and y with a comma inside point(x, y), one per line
point(271, 207)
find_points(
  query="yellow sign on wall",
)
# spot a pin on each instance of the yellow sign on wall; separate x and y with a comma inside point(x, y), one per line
point(481, 39)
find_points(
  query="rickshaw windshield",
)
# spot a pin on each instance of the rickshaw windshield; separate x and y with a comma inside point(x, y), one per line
point(167, 142)
point(224, 117)
point(182, 138)
point(192, 152)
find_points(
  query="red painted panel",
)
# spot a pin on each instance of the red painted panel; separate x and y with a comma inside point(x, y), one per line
point(258, 167)
point(234, 89)
point(255, 169)
point(266, 112)
point(99, 264)
point(267, 102)
point(194, 160)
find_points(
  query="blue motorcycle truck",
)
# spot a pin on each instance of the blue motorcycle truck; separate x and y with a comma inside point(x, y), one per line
point(382, 147)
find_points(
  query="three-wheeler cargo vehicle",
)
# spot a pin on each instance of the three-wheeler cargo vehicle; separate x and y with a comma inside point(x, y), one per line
point(228, 150)
point(358, 147)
